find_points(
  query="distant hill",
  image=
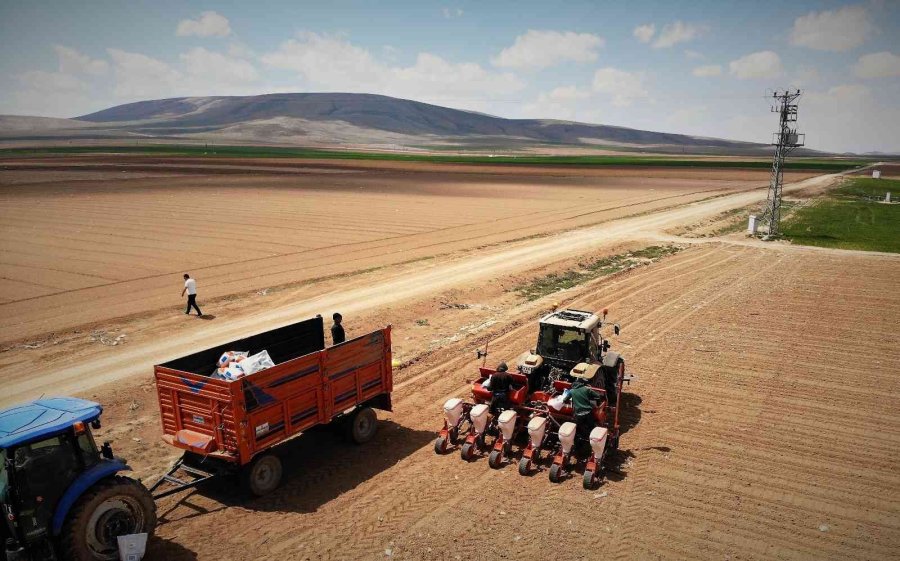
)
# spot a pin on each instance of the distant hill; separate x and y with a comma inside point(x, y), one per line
point(323, 119)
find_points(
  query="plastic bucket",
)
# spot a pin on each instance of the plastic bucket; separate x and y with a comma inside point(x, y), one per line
point(132, 547)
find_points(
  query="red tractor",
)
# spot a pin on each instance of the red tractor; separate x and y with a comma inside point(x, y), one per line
point(535, 411)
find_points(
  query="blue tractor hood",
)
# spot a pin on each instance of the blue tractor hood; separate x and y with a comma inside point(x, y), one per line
point(43, 418)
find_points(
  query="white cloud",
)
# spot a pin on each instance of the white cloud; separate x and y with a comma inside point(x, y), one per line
point(685, 119)
point(833, 30)
point(238, 49)
point(540, 49)
point(623, 87)
point(559, 103)
point(210, 67)
point(567, 93)
point(693, 55)
point(450, 13)
point(73, 62)
point(764, 64)
point(209, 24)
point(38, 80)
point(331, 62)
point(707, 71)
point(677, 32)
point(849, 117)
point(142, 77)
point(878, 65)
point(644, 33)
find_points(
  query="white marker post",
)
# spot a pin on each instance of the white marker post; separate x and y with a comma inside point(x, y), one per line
point(751, 225)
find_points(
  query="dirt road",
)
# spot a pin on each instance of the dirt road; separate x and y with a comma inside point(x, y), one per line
point(138, 357)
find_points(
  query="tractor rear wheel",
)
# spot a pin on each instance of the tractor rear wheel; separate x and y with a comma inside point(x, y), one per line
point(467, 452)
point(263, 475)
point(556, 473)
point(495, 460)
point(587, 480)
point(114, 507)
point(440, 445)
point(524, 466)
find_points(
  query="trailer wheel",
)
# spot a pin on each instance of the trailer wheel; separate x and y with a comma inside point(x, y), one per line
point(113, 507)
point(524, 466)
point(263, 475)
point(556, 473)
point(587, 480)
point(467, 452)
point(440, 445)
point(363, 425)
point(495, 459)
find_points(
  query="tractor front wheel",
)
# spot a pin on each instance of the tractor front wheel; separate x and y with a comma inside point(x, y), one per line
point(114, 507)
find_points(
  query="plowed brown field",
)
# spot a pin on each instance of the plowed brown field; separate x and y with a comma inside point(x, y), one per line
point(87, 239)
point(764, 425)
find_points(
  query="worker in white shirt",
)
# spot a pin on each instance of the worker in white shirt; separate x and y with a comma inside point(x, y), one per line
point(190, 286)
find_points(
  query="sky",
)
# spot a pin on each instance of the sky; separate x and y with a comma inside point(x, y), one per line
point(697, 67)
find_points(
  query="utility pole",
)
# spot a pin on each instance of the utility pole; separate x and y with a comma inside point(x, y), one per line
point(785, 140)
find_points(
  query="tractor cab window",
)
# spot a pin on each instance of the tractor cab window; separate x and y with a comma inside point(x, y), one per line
point(594, 345)
point(562, 343)
point(43, 471)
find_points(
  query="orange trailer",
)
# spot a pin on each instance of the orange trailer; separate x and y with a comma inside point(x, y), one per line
point(227, 426)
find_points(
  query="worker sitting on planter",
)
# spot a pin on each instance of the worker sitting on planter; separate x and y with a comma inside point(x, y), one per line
point(584, 400)
point(499, 384)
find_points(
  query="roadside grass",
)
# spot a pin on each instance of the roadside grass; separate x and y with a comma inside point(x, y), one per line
point(849, 217)
point(818, 164)
point(554, 282)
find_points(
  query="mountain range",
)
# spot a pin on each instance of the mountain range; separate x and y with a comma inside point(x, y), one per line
point(344, 120)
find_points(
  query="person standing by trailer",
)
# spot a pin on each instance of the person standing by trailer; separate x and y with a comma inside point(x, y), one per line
point(337, 330)
point(190, 286)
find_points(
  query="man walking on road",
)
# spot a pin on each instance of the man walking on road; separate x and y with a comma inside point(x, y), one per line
point(337, 331)
point(190, 286)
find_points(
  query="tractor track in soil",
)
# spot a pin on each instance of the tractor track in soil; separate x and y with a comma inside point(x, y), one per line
point(732, 449)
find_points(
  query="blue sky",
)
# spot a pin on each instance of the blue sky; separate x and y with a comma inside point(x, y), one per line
point(692, 67)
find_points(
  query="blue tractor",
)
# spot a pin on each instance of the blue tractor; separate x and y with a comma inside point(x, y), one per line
point(62, 497)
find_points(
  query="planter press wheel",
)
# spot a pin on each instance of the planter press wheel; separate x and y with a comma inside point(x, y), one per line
point(556, 473)
point(495, 460)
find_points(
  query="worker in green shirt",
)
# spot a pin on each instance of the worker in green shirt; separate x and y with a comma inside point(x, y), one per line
point(584, 400)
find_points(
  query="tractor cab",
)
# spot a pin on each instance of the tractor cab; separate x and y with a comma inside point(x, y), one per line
point(566, 339)
point(51, 468)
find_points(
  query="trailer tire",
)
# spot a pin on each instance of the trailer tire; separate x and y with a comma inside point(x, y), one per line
point(115, 506)
point(263, 475)
point(440, 446)
point(495, 459)
point(556, 473)
point(524, 466)
point(362, 425)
